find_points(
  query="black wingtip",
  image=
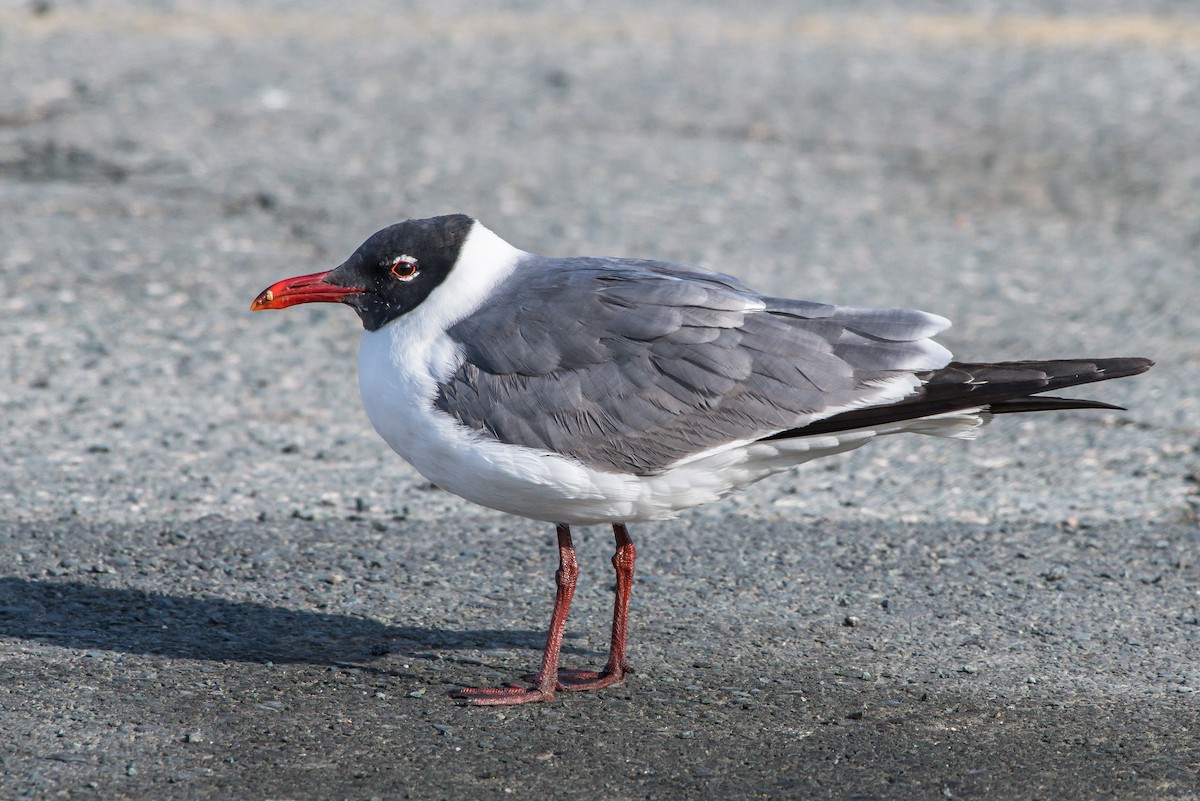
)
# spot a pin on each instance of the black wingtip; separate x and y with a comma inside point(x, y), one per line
point(1002, 387)
point(1123, 366)
point(1038, 403)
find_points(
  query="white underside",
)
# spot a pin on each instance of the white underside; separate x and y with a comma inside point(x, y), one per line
point(401, 364)
point(530, 483)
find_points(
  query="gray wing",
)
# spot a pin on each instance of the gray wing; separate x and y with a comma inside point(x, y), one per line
point(631, 366)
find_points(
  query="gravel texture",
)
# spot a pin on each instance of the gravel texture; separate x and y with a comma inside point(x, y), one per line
point(218, 583)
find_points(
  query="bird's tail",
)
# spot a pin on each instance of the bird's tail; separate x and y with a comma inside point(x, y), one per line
point(998, 388)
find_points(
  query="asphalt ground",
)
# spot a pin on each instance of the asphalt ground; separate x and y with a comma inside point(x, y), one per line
point(216, 582)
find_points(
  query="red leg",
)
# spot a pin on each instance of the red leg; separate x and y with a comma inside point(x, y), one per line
point(547, 677)
point(614, 672)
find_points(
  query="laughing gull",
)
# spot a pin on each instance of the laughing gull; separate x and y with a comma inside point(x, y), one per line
point(605, 390)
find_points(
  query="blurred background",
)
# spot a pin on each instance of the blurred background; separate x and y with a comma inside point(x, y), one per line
point(1029, 171)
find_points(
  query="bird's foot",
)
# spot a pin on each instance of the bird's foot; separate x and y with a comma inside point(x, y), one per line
point(503, 696)
point(578, 681)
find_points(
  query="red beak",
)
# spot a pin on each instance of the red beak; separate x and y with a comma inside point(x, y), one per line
point(301, 289)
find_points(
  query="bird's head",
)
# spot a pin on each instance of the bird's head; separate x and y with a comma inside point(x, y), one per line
point(389, 275)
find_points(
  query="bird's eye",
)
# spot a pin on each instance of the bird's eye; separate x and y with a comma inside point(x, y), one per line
point(404, 268)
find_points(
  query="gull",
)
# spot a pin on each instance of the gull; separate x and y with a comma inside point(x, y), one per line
point(593, 390)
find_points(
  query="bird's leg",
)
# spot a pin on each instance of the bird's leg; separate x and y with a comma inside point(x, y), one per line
point(547, 677)
point(614, 672)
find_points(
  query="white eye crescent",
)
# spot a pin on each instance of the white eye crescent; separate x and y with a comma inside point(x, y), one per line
point(404, 268)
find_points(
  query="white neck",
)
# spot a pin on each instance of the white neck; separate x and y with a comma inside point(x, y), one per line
point(483, 261)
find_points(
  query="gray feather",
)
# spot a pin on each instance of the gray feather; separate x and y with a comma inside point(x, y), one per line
point(631, 366)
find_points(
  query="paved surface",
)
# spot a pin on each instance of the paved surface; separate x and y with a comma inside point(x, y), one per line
point(217, 583)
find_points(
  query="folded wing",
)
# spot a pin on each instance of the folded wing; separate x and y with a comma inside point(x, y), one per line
point(632, 366)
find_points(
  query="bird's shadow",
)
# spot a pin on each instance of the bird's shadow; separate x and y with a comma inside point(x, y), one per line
point(77, 615)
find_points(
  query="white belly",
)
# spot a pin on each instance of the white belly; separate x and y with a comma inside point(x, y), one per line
point(399, 373)
point(398, 379)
